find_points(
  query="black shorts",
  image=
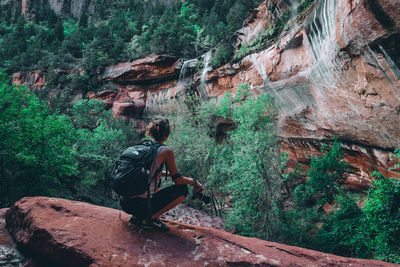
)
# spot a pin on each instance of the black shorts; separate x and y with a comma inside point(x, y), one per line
point(138, 206)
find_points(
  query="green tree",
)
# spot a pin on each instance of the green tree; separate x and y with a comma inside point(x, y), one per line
point(250, 165)
point(59, 30)
point(83, 21)
point(372, 231)
point(246, 165)
point(37, 156)
point(20, 35)
point(188, 28)
point(51, 17)
point(237, 13)
point(164, 33)
point(381, 224)
point(101, 140)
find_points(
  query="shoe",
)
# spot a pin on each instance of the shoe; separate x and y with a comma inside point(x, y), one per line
point(155, 224)
point(135, 221)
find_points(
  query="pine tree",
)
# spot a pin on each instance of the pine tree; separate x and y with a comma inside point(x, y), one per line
point(20, 37)
point(83, 21)
point(59, 30)
point(51, 17)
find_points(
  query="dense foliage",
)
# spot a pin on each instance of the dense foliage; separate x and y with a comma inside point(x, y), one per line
point(369, 230)
point(45, 153)
point(37, 157)
point(257, 199)
point(125, 31)
point(116, 32)
point(245, 165)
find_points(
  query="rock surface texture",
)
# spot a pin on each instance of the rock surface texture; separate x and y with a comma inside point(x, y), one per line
point(33, 80)
point(64, 8)
point(188, 215)
point(69, 233)
point(334, 72)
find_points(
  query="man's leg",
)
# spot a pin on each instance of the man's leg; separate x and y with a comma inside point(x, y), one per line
point(167, 199)
point(168, 207)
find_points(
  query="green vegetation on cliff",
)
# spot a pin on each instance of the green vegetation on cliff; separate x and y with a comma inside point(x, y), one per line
point(357, 225)
point(258, 198)
point(244, 165)
point(120, 31)
point(46, 153)
point(68, 151)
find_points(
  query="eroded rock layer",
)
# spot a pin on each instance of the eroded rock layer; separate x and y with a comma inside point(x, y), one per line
point(330, 76)
point(70, 233)
point(335, 74)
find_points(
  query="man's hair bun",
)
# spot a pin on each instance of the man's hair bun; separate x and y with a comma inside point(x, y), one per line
point(158, 129)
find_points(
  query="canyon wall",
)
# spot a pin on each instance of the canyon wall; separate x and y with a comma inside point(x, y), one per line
point(336, 73)
point(333, 71)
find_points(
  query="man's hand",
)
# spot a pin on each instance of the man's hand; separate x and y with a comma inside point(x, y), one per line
point(198, 185)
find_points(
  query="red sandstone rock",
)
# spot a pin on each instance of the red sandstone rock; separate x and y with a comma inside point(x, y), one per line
point(129, 109)
point(363, 159)
point(188, 215)
point(34, 80)
point(73, 233)
point(107, 96)
point(322, 91)
point(145, 69)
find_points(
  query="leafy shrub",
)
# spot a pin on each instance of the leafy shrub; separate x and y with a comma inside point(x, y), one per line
point(250, 167)
point(101, 140)
point(193, 138)
point(37, 155)
point(46, 153)
point(340, 233)
point(372, 231)
point(244, 166)
point(381, 224)
point(323, 180)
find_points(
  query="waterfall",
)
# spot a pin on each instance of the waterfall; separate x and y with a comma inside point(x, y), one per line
point(322, 40)
point(206, 69)
point(181, 80)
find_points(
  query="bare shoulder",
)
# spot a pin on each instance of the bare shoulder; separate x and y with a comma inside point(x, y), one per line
point(168, 151)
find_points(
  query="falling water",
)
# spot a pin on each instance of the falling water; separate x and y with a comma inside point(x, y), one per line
point(206, 69)
point(182, 74)
point(322, 40)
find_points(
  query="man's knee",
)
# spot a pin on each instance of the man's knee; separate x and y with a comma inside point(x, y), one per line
point(182, 190)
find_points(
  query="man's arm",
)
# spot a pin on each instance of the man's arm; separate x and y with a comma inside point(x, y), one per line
point(168, 156)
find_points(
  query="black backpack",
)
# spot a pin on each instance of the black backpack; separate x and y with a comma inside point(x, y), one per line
point(130, 174)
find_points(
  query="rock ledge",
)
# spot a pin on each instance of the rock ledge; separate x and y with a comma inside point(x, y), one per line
point(70, 233)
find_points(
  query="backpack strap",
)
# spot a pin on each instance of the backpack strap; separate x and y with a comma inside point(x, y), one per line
point(157, 146)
